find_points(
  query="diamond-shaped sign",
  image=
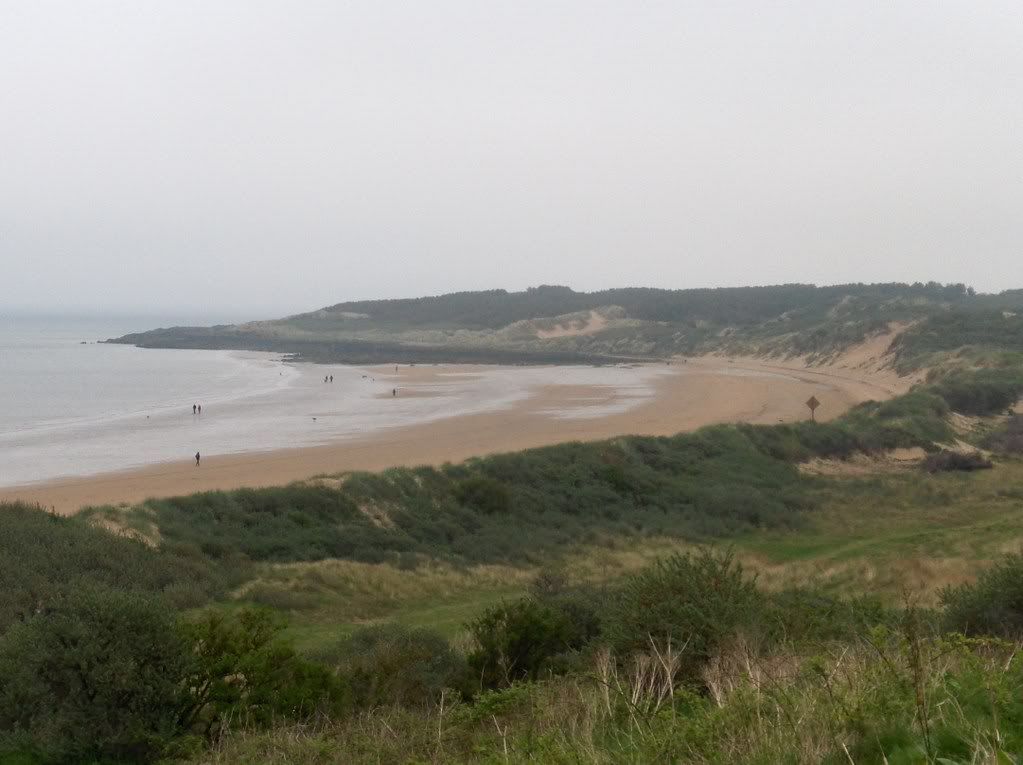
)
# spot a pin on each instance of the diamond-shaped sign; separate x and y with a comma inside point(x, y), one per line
point(813, 403)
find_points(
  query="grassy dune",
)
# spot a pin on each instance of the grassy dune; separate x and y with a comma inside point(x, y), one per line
point(888, 535)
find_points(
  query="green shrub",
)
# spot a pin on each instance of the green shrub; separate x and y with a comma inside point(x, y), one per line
point(991, 606)
point(95, 676)
point(798, 615)
point(241, 670)
point(484, 494)
point(984, 391)
point(698, 600)
point(395, 665)
point(917, 418)
point(1007, 439)
point(946, 461)
point(45, 558)
point(282, 523)
point(524, 639)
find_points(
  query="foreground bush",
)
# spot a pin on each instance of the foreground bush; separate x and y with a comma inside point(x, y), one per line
point(991, 606)
point(108, 676)
point(395, 665)
point(45, 558)
point(525, 639)
point(241, 671)
point(94, 677)
point(881, 698)
point(699, 601)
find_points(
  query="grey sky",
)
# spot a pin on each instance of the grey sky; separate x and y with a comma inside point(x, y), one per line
point(269, 157)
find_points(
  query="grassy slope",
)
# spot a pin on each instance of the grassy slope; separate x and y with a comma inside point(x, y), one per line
point(885, 534)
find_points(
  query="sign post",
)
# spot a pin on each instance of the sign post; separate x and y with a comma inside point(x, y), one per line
point(813, 403)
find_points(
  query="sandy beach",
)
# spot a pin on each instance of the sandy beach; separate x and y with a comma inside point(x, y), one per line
point(683, 397)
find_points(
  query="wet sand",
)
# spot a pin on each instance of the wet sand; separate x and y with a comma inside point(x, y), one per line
point(684, 397)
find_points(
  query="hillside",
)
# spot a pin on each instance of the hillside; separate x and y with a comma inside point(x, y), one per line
point(558, 325)
point(840, 591)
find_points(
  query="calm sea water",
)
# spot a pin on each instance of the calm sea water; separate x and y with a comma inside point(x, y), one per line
point(70, 408)
point(72, 405)
point(53, 372)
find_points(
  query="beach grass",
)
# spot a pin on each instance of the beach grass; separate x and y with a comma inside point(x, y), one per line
point(888, 535)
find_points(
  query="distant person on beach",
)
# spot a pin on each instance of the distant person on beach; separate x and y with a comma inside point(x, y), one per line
point(197, 459)
point(332, 378)
point(200, 408)
point(193, 408)
point(394, 392)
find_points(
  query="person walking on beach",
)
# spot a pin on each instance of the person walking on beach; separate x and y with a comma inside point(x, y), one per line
point(197, 459)
point(332, 378)
point(200, 408)
point(193, 408)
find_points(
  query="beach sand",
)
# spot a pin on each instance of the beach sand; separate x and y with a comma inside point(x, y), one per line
point(687, 396)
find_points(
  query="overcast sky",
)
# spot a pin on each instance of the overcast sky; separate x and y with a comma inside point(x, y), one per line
point(270, 157)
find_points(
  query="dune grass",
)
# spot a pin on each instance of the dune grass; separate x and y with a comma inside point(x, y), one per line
point(889, 535)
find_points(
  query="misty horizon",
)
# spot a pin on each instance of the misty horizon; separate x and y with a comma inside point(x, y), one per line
point(265, 159)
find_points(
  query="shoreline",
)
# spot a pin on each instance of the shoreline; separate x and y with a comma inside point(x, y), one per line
point(704, 391)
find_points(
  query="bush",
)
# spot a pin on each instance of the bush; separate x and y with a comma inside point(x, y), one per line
point(484, 494)
point(281, 523)
point(698, 600)
point(94, 677)
point(985, 391)
point(802, 614)
point(240, 669)
point(991, 606)
point(46, 558)
point(917, 418)
point(394, 665)
point(1008, 439)
point(948, 461)
point(523, 639)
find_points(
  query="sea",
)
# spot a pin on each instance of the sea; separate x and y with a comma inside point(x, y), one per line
point(74, 405)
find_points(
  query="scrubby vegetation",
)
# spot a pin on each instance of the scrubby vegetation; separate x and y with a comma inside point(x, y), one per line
point(983, 391)
point(829, 680)
point(992, 606)
point(496, 326)
point(1008, 438)
point(999, 329)
point(687, 660)
point(521, 506)
point(956, 460)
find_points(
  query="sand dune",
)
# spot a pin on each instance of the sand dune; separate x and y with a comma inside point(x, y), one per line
point(686, 396)
point(591, 326)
